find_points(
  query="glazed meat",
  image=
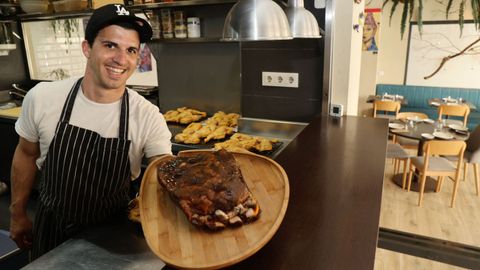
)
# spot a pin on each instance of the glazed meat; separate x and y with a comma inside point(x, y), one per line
point(209, 188)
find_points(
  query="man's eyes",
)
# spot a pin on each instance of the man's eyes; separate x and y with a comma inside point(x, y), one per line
point(113, 46)
point(110, 45)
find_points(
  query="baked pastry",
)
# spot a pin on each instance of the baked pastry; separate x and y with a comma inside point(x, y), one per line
point(209, 188)
point(247, 142)
point(184, 115)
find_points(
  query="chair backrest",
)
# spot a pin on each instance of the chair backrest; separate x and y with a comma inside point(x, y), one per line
point(444, 148)
point(386, 106)
point(454, 110)
point(404, 115)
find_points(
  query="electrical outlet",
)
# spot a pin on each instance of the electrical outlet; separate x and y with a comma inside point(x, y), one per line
point(280, 79)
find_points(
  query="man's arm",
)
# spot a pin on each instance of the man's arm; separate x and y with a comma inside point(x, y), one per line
point(23, 175)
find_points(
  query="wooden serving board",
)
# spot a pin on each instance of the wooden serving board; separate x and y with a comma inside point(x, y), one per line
point(180, 244)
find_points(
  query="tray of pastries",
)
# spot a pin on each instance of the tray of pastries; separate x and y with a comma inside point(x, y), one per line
point(220, 126)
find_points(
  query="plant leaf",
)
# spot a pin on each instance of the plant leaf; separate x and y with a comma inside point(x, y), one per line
point(384, 3)
point(404, 18)
point(420, 18)
point(449, 5)
point(461, 18)
point(412, 6)
point(474, 5)
point(476, 14)
point(392, 10)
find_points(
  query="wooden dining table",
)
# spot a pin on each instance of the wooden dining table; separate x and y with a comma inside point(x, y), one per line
point(414, 131)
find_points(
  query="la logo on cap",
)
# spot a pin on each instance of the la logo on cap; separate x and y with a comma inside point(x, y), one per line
point(121, 10)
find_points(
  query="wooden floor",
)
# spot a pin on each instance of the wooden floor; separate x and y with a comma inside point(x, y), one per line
point(434, 218)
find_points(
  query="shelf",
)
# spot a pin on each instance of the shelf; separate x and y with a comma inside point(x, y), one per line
point(187, 40)
point(182, 3)
point(88, 12)
point(51, 16)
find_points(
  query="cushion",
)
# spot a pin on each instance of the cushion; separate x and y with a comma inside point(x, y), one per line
point(438, 164)
point(396, 151)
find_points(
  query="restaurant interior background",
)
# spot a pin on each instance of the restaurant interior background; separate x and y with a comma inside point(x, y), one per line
point(225, 75)
point(435, 219)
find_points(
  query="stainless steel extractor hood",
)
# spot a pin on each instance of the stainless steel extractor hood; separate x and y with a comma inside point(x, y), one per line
point(251, 20)
point(302, 22)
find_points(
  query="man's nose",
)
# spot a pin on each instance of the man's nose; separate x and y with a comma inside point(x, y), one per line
point(120, 57)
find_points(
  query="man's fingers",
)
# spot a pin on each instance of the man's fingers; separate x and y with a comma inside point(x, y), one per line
point(27, 240)
point(18, 241)
point(23, 241)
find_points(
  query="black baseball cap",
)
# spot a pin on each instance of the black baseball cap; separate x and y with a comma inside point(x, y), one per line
point(114, 13)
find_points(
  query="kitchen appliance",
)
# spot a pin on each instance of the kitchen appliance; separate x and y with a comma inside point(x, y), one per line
point(302, 22)
point(250, 20)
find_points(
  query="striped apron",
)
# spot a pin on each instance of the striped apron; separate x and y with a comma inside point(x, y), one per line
point(85, 179)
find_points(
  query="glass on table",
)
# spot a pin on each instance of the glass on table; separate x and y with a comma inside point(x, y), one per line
point(439, 125)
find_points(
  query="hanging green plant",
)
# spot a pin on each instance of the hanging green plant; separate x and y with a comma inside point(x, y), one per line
point(69, 27)
point(410, 5)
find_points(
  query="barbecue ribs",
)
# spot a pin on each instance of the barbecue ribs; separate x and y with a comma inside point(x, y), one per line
point(209, 188)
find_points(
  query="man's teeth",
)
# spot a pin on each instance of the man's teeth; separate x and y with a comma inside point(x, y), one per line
point(116, 70)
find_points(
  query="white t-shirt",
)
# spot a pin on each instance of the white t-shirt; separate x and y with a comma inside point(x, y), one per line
point(43, 105)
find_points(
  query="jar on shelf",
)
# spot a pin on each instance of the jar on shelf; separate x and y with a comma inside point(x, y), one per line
point(180, 22)
point(193, 27)
point(167, 26)
point(154, 20)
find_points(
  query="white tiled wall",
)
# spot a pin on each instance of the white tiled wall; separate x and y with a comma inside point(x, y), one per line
point(49, 52)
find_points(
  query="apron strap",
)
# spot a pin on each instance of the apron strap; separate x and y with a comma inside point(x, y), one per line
point(68, 108)
point(124, 112)
point(68, 105)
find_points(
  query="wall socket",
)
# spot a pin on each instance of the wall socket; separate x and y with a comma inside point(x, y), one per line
point(280, 79)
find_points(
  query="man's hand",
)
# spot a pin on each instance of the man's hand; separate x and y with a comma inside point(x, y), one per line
point(21, 230)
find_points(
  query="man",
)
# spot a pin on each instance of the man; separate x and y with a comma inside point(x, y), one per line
point(87, 136)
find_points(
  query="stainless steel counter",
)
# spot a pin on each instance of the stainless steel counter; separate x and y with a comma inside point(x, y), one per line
point(118, 244)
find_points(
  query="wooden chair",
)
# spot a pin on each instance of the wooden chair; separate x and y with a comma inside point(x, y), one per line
point(386, 106)
point(431, 164)
point(406, 142)
point(472, 156)
point(454, 110)
point(398, 154)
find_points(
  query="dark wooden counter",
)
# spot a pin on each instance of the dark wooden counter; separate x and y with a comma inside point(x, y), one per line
point(335, 168)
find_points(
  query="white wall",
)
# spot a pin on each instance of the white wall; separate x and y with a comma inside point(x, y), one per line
point(368, 70)
point(346, 60)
